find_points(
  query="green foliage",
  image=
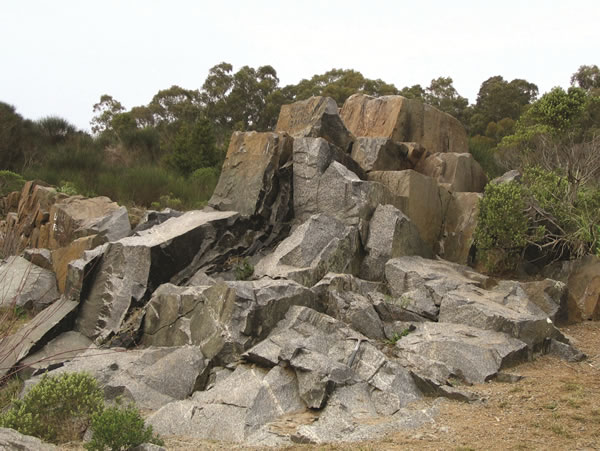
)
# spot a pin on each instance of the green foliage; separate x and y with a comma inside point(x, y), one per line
point(483, 150)
point(9, 391)
point(67, 188)
point(9, 182)
point(55, 129)
point(397, 336)
point(120, 428)
point(243, 270)
point(502, 225)
point(194, 147)
point(58, 409)
point(442, 95)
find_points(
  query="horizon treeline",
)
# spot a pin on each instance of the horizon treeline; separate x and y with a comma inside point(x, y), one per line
point(169, 151)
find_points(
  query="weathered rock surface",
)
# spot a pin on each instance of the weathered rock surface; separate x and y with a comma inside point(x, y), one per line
point(391, 234)
point(23, 284)
point(420, 198)
point(312, 157)
point(320, 245)
point(143, 376)
point(62, 257)
point(551, 296)
point(404, 120)
point(134, 266)
point(13, 440)
point(39, 257)
point(316, 117)
point(441, 351)
point(459, 227)
point(43, 327)
point(582, 277)
point(223, 320)
point(457, 172)
point(381, 154)
point(256, 176)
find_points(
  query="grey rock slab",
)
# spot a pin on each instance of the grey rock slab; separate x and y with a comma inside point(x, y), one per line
point(23, 284)
point(11, 440)
point(39, 257)
point(565, 351)
point(471, 354)
point(112, 227)
point(381, 154)
point(320, 245)
point(132, 266)
point(43, 327)
point(223, 320)
point(144, 376)
point(391, 234)
point(347, 282)
point(152, 218)
point(357, 311)
point(551, 296)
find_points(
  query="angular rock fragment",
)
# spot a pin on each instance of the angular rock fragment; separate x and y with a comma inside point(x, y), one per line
point(316, 117)
point(25, 285)
point(381, 154)
point(256, 176)
point(420, 198)
point(13, 440)
point(391, 234)
point(318, 246)
point(134, 266)
point(459, 227)
point(441, 351)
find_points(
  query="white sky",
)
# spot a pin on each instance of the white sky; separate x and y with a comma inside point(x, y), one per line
point(58, 57)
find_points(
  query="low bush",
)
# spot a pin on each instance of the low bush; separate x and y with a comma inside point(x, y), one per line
point(120, 428)
point(9, 182)
point(58, 409)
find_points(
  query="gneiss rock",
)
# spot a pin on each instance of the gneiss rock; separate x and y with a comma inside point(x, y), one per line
point(222, 320)
point(25, 285)
point(256, 176)
point(440, 351)
point(391, 234)
point(318, 246)
point(134, 266)
point(316, 117)
point(404, 120)
point(144, 376)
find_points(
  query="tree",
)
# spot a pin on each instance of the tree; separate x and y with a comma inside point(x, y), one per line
point(414, 92)
point(105, 110)
point(194, 147)
point(55, 129)
point(442, 95)
point(498, 99)
point(587, 77)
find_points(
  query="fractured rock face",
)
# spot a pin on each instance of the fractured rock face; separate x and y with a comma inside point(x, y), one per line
point(459, 227)
point(316, 117)
point(320, 245)
point(404, 120)
point(25, 285)
point(391, 234)
point(134, 266)
point(420, 198)
point(222, 320)
point(457, 172)
point(381, 154)
point(254, 179)
point(11, 439)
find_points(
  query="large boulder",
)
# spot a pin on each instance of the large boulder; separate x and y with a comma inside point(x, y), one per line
point(320, 245)
point(582, 277)
point(420, 198)
point(457, 172)
point(133, 267)
point(441, 351)
point(25, 285)
point(381, 154)
point(256, 176)
point(404, 120)
point(223, 320)
point(460, 222)
point(316, 117)
point(144, 376)
point(13, 440)
point(391, 234)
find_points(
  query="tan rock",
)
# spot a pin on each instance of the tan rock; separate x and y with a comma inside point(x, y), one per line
point(458, 172)
point(316, 117)
point(420, 198)
point(63, 256)
point(459, 227)
point(404, 120)
point(250, 175)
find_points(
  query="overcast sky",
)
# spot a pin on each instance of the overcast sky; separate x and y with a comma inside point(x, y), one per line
point(58, 57)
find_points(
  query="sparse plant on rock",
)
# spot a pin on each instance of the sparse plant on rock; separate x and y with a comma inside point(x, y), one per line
point(243, 269)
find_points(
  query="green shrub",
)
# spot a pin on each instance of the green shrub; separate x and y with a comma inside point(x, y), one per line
point(120, 428)
point(243, 270)
point(58, 409)
point(9, 182)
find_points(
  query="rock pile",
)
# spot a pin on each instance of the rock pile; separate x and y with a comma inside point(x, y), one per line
point(354, 229)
